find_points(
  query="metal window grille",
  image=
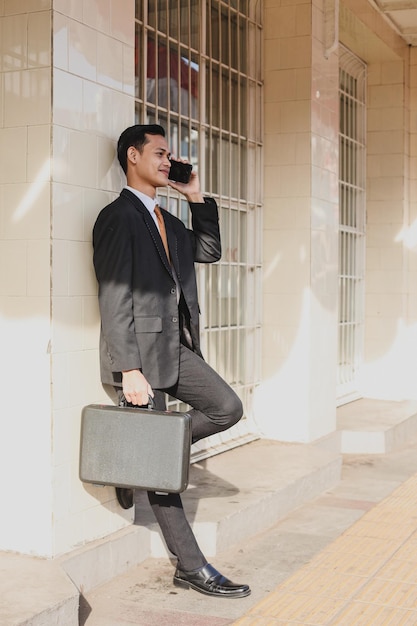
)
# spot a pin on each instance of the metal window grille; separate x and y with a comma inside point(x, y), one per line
point(198, 73)
point(352, 154)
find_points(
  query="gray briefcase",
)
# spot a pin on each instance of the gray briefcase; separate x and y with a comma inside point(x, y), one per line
point(135, 447)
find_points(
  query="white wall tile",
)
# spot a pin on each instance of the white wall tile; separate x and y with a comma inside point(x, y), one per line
point(60, 153)
point(109, 62)
point(13, 43)
point(95, 107)
point(27, 97)
point(96, 13)
point(82, 51)
point(122, 23)
point(13, 274)
point(66, 324)
point(38, 268)
point(91, 323)
point(68, 532)
point(84, 377)
point(26, 211)
point(70, 8)
point(129, 70)
point(60, 376)
point(11, 7)
point(94, 201)
point(38, 167)
point(82, 280)
point(106, 112)
point(39, 40)
point(120, 115)
point(82, 162)
point(13, 142)
point(61, 485)
point(60, 270)
point(280, 213)
point(61, 41)
point(108, 168)
point(68, 211)
point(68, 100)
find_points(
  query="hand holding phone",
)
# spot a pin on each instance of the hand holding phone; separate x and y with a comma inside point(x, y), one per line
point(180, 172)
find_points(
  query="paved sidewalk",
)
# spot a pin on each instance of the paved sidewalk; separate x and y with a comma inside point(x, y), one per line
point(367, 577)
point(348, 557)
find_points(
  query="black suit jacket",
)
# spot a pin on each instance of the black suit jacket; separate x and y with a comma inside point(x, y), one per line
point(140, 321)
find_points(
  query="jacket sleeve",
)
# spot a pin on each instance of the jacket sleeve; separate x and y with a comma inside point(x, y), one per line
point(205, 233)
point(113, 266)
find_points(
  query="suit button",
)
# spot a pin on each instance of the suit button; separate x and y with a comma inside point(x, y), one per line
point(173, 290)
point(174, 319)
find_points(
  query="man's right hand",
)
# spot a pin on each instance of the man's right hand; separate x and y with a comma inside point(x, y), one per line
point(136, 388)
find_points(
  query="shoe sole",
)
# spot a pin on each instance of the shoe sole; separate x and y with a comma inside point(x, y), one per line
point(178, 582)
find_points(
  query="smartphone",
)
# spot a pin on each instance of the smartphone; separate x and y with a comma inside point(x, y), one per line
point(180, 172)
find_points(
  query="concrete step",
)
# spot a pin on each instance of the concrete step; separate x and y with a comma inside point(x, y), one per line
point(231, 497)
point(145, 596)
point(372, 426)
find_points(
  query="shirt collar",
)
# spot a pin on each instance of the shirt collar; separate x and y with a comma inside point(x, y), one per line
point(149, 202)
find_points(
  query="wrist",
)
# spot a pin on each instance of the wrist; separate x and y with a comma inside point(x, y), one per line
point(195, 198)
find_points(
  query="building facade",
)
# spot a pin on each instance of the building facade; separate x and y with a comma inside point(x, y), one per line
point(301, 117)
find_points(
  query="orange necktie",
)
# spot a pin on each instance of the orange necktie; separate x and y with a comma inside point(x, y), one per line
point(162, 230)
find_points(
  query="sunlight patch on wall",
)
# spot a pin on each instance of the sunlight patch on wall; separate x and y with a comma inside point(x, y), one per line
point(33, 193)
point(408, 236)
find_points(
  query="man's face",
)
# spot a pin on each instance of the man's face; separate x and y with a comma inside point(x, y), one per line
point(149, 169)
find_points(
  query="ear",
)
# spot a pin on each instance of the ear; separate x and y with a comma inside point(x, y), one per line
point(132, 155)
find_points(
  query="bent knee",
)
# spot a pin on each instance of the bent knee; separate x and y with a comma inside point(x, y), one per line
point(233, 409)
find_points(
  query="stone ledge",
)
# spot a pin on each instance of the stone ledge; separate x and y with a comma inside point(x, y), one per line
point(35, 592)
point(372, 426)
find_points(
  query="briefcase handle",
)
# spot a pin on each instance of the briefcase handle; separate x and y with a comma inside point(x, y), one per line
point(124, 403)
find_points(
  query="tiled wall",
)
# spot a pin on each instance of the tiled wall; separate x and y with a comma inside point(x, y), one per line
point(387, 208)
point(93, 79)
point(25, 221)
point(391, 243)
point(57, 171)
point(297, 400)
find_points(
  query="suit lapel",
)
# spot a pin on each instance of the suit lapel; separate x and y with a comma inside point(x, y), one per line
point(153, 230)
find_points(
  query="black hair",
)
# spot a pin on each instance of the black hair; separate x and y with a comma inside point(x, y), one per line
point(135, 136)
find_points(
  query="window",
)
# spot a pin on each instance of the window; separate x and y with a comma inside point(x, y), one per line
point(198, 73)
point(352, 77)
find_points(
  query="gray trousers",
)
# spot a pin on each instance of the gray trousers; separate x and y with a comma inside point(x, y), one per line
point(215, 407)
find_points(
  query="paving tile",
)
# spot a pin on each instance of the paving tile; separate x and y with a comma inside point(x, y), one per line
point(311, 580)
point(382, 530)
point(360, 614)
point(390, 593)
point(399, 570)
point(307, 609)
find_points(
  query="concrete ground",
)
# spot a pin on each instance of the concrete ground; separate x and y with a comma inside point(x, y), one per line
point(145, 596)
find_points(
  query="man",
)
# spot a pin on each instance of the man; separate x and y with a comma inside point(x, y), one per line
point(149, 343)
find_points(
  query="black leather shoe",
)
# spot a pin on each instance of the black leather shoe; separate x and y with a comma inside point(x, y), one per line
point(124, 497)
point(209, 581)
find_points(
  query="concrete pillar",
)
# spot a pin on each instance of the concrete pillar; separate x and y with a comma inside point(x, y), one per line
point(296, 401)
point(63, 106)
